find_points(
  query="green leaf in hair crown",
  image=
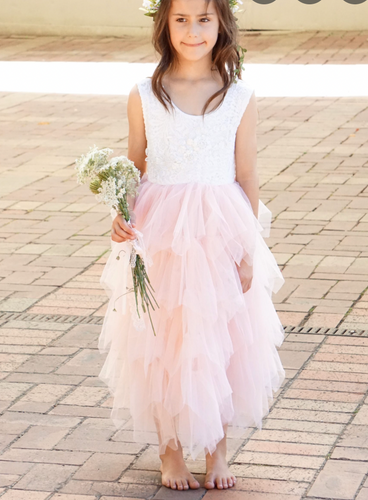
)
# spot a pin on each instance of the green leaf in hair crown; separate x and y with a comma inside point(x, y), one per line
point(150, 7)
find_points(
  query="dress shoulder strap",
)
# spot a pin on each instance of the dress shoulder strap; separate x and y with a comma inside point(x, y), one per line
point(145, 94)
point(242, 92)
point(152, 108)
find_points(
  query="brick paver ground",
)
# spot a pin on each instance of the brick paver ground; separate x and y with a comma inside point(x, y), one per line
point(56, 439)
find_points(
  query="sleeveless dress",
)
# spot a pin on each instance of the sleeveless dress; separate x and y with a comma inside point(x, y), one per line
point(214, 359)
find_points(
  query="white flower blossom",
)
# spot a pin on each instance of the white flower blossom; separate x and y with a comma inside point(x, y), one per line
point(94, 161)
point(108, 193)
point(152, 6)
point(116, 178)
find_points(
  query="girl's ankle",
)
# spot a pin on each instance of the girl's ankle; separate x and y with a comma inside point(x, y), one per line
point(217, 455)
point(171, 454)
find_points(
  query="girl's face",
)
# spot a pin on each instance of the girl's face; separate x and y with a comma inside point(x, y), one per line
point(193, 28)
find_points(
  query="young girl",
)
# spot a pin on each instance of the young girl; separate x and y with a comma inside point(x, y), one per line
point(213, 362)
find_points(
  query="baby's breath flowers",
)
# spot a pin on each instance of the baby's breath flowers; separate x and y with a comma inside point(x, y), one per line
point(112, 181)
point(151, 6)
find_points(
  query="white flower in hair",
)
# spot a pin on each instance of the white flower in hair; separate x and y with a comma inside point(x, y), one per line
point(151, 6)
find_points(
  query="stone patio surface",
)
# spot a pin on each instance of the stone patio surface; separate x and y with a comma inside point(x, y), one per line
point(56, 439)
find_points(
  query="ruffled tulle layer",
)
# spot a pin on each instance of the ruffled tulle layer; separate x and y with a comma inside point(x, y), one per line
point(213, 360)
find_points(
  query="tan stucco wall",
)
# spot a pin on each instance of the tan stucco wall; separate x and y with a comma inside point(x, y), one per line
point(119, 17)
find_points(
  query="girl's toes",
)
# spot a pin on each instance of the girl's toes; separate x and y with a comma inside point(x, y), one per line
point(224, 483)
point(186, 485)
point(173, 484)
point(219, 484)
point(180, 485)
point(194, 484)
point(209, 483)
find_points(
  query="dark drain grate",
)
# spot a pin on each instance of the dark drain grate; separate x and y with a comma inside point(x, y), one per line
point(97, 320)
point(51, 318)
point(347, 332)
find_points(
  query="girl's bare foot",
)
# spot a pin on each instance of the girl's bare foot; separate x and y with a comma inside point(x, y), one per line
point(175, 474)
point(218, 474)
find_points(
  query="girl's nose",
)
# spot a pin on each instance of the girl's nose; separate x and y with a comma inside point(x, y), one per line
point(193, 29)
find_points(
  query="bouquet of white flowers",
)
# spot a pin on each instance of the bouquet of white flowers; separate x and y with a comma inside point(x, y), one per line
point(112, 181)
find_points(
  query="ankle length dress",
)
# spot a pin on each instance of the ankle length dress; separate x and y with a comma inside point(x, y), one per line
point(213, 360)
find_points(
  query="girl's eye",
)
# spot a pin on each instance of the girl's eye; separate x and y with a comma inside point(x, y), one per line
point(181, 19)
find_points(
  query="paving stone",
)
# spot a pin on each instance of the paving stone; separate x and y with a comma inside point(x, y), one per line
point(304, 426)
point(333, 375)
point(338, 479)
point(20, 457)
point(49, 378)
point(342, 452)
point(273, 472)
point(86, 396)
point(46, 393)
point(35, 419)
point(308, 404)
point(169, 494)
point(104, 467)
point(30, 407)
point(16, 468)
point(16, 494)
point(8, 479)
point(306, 462)
point(238, 495)
point(294, 437)
point(41, 437)
point(355, 436)
point(361, 418)
point(323, 395)
point(109, 489)
point(81, 411)
point(309, 415)
point(288, 448)
point(99, 446)
point(10, 391)
point(293, 359)
point(42, 364)
point(136, 477)
point(62, 496)
point(46, 477)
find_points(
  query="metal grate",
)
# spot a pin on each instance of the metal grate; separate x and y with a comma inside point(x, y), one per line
point(98, 320)
point(347, 332)
point(52, 318)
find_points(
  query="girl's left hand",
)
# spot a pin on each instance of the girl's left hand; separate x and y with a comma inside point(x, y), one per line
point(246, 275)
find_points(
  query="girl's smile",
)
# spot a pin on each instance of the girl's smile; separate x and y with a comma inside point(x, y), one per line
point(192, 44)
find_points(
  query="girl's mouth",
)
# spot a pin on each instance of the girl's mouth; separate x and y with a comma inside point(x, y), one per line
point(193, 45)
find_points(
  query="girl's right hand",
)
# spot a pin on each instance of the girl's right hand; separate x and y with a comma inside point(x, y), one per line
point(121, 231)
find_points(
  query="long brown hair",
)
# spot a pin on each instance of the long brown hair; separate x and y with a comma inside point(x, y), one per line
point(225, 55)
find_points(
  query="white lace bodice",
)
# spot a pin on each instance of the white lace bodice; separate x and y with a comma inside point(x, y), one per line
point(184, 148)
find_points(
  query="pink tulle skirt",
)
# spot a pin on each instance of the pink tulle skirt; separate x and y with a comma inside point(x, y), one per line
point(213, 360)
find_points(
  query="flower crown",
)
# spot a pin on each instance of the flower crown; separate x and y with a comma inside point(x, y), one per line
point(151, 6)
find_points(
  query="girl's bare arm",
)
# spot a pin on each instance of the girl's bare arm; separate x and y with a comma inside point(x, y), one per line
point(137, 143)
point(246, 172)
point(246, 154)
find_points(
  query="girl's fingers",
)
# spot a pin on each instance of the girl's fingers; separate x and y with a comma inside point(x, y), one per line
point(247, 285)
point(123, 234)
point(122, 223)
